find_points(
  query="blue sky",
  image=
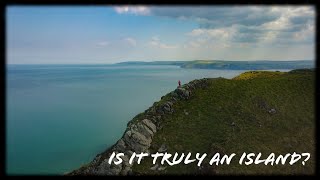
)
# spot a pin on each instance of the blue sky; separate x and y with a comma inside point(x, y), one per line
point(109, 34)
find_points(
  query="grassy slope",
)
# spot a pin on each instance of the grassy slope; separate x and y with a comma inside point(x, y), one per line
point(244, 100)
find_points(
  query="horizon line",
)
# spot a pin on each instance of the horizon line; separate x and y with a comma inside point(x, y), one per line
point(101, 63)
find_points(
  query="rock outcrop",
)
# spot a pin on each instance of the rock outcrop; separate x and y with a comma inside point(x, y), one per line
point(139, 133)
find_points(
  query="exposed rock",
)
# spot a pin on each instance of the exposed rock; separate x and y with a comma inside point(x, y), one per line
point(138, 135)
point(185, 112)
point(186, 93)
point(179, 91)
point(125, 159)
point(125, 171)
point(126, 167)
point(182, 93)
point(158, 167)
point(120, 146)
point(143, 130)
point(150, 125)
point(162, 168)
point(155, 167)
point(160, 111)
point(96, 159)
point(166, 108)
point(137, 141)
point(106, 169)
point(152, 110)
point(170, 103)
point(272, 111)
point(153, 119)
point(129, 153)
point(173, 99)
point(163, 148)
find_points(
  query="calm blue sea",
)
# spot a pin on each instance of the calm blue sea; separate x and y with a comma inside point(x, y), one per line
point(58, 117)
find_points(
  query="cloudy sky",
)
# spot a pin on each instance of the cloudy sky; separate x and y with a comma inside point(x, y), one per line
point(109, 34)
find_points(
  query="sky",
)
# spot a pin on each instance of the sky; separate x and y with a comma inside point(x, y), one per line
point(111, 34)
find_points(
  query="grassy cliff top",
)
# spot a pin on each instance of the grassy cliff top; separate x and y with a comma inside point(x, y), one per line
point(254, 112)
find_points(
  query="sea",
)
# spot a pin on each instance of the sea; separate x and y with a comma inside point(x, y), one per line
point(59, 117)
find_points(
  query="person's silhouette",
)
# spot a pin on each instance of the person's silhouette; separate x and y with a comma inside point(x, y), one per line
point(179, 82)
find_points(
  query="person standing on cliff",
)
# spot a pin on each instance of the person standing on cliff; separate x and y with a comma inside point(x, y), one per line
point(179, 82)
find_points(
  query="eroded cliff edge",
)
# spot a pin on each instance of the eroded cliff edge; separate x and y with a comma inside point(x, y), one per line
point(257, 111)
point(139, 133)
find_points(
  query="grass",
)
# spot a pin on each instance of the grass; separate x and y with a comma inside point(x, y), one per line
point(231, 116)
point(257, 74)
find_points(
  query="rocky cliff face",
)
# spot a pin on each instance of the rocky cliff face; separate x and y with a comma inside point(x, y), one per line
point(139, 133)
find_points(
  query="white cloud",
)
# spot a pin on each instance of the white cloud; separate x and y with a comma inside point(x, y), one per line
point(245, 24)
point(218, 33)
point(155, 42)
point(212, 39)
point(279, 24)
point(138, 10)
point(289, 17)
point(236, 29)
point(293, 25)
point(196, 32)
point(166, 46)
point(294, 10)
point(268, 37)
point(131, 41)
point(224, 33)
point(305, 33)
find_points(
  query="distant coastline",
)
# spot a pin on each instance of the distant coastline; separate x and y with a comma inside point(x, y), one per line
point(230, 65)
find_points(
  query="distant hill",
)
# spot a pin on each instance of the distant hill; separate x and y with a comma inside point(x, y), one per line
point(231, 65)
point(176, 63)
point(257, 111)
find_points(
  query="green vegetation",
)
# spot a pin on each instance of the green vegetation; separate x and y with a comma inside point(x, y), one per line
point(233, 116)
point(257, 74)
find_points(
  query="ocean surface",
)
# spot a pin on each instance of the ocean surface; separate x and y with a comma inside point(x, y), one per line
point(58, 117)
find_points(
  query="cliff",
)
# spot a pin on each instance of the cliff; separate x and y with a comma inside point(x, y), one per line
point(256, 111)
point(139, 133)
